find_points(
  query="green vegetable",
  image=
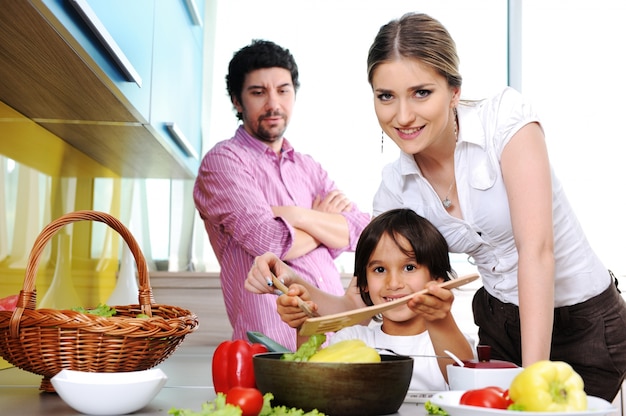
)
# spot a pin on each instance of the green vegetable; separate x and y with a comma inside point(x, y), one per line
point(100, 310)
point(268, 410)
point(515, 406)
point(433, 409)
point(219, 407)
point(307, 349)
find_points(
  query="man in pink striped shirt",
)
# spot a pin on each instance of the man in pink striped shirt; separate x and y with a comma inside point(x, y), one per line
point(255, 194)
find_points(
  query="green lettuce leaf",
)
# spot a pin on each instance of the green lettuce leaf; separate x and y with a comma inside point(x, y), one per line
point(433, 409)
point(307, 349)
point(219, 407)
point(100, 310)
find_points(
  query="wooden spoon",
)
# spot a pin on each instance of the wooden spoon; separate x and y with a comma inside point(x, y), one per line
point(334, 322)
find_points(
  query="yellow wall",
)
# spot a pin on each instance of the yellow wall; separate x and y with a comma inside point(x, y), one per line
point(28, 144)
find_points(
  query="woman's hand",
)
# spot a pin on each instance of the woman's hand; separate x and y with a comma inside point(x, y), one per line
point(259, 279)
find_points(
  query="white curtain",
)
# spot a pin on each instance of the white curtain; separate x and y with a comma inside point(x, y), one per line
point(160, 214)
point(28, 210)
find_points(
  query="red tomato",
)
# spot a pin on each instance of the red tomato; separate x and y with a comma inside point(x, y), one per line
point(249, 400)
point(506, 396)
point(492, 397)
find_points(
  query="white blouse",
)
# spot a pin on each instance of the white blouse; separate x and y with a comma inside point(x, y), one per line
point(485, 233)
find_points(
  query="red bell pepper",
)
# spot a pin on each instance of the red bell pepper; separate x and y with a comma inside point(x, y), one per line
point(232, 365)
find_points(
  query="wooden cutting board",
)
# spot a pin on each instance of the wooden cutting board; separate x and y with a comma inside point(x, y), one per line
point(334, 322)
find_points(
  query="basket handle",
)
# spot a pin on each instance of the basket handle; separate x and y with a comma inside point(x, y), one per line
point(28, 296)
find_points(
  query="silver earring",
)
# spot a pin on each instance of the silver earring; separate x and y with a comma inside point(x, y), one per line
point(382, 141)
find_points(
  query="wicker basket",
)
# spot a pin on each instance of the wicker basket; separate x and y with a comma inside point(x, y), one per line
point(45, 341)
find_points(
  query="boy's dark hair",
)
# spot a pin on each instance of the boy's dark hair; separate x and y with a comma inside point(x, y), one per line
point(257, 55)
point(428, 246)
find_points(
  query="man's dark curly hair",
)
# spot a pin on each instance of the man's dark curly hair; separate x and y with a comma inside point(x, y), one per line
point(257, 55)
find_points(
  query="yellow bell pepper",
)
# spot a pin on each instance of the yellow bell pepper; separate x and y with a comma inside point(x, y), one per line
point(348, 351)
point(548, 386)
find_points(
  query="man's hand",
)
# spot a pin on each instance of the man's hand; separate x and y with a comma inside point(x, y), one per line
point(334, 202)
point(323, 223)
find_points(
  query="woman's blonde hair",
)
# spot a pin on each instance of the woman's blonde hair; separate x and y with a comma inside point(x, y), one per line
point(418, 36)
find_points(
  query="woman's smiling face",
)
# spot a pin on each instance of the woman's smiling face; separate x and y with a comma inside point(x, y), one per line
point(414, 103)
point(392, 274)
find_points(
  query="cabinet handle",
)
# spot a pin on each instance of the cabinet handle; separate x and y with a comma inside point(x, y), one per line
point(180, 139)
point(91, 19)
point(192, 7)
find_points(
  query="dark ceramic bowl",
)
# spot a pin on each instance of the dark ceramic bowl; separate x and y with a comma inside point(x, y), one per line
point(336, 389)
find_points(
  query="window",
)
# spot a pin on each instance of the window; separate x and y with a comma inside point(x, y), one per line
point(572, 71)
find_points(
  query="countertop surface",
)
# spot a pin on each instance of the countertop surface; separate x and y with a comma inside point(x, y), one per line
point(189, 384)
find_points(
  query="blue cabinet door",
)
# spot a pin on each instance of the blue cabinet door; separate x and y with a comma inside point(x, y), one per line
point(177, 80)
point(118, 36)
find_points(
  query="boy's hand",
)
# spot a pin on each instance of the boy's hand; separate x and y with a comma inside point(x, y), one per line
point(435, 305)
point(287, 306)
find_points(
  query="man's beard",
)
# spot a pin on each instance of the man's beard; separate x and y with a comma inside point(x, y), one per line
point(266, 135)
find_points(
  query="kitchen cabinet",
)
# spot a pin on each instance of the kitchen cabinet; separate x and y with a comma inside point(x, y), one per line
point(111, 100)
point(129, 25)
point(177, 71)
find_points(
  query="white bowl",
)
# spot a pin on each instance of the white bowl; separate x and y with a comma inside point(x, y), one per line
point(464, 378)
point(108, 393)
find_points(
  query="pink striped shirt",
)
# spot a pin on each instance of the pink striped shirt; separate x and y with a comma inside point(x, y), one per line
point(238, 182)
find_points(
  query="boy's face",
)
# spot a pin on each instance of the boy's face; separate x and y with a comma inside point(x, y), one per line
point(267, 100)
point(391, 274)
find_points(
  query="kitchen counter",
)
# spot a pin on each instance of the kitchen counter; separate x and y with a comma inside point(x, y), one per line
point(189, 384)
